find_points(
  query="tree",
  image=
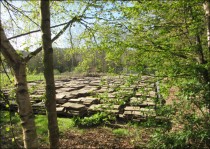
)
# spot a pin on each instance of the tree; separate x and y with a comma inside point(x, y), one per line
point(18, 65)
point(22, 96)
point(50, 102)
point(207, 12)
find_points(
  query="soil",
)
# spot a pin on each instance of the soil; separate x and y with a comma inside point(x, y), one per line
point(98, 138)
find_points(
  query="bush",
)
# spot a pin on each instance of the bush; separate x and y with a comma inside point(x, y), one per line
point(96, 119)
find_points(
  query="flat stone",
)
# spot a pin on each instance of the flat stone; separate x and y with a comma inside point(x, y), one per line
point(40, 104)
point(136, 101)
point(133, 113)
point(112, 111)
point(102, 90)
point(139, 94)
point(131, 108)
point(100, 107)
point(60, 100)
point(60, 109)
point(67, 89)
point(94, 83)
point(60, 96)
point(75, 100)
point(32, 84)
point(86, 82)
point(76, 113)
point(73, 105)
point(143, 104)
point(150, 103)
point(89, 100)
point(152, 94)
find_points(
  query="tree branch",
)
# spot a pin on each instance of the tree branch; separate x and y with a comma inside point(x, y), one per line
point(35, 31)
point(32, 54)
point(21, 12)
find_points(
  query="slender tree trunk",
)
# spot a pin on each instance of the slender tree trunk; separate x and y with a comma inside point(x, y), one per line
point(24, 108)
point(206, 6)
point(22, 96)
point(49, 76)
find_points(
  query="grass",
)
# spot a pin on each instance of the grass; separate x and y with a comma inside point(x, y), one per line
point(64, 125)
point(120, 132)
point(5, 81)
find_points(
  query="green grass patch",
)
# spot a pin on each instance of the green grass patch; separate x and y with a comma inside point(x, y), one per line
point(5, 81)
point(120, 132)
point(35, 77)
point(64, 125)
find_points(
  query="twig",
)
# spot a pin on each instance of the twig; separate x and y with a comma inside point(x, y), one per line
point(5, 71)
point(21, 13)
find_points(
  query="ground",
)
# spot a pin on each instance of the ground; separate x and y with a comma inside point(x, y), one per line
point(102, 137)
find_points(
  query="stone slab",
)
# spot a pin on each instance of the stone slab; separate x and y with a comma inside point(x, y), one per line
point(75, 100)
point(138, 113)
point(131, 108)
point(60, 96)
point(73, 105)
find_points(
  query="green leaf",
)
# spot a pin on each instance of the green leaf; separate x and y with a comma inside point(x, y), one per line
point(7, 129)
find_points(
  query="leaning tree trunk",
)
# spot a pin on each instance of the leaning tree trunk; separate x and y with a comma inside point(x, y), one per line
point(22, 96)
point(24, 108)
point(49, 76)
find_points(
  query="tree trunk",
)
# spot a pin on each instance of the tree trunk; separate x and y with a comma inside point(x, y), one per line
point(49, 76)
point(22, 96)
point(24, 108)
point(207, 11)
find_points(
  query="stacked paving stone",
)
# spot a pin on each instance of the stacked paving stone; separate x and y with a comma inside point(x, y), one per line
point(87, 95)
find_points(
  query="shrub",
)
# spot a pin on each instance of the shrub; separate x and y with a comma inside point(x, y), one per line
point(96, 119)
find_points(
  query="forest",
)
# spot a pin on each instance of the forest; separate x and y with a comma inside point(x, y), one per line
point(105, 74)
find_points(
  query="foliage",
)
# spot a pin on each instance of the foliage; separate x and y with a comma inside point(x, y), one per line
point(96, 119)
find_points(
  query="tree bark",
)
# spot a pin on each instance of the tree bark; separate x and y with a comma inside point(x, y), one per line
point(25, 109)
point(49, 75)
point(206, 6)
point(22, 96)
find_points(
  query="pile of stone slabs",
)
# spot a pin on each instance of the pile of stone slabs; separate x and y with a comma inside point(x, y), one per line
point(137, 113)
point(90, 92)
point(74, 109)
point(142, 102)
point(39, 108)
point(87, 101)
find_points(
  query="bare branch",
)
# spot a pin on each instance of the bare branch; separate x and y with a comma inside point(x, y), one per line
point(16, 9)
point(35, 31)
point(8, 10)
point(90, 30)
point(32, 54)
